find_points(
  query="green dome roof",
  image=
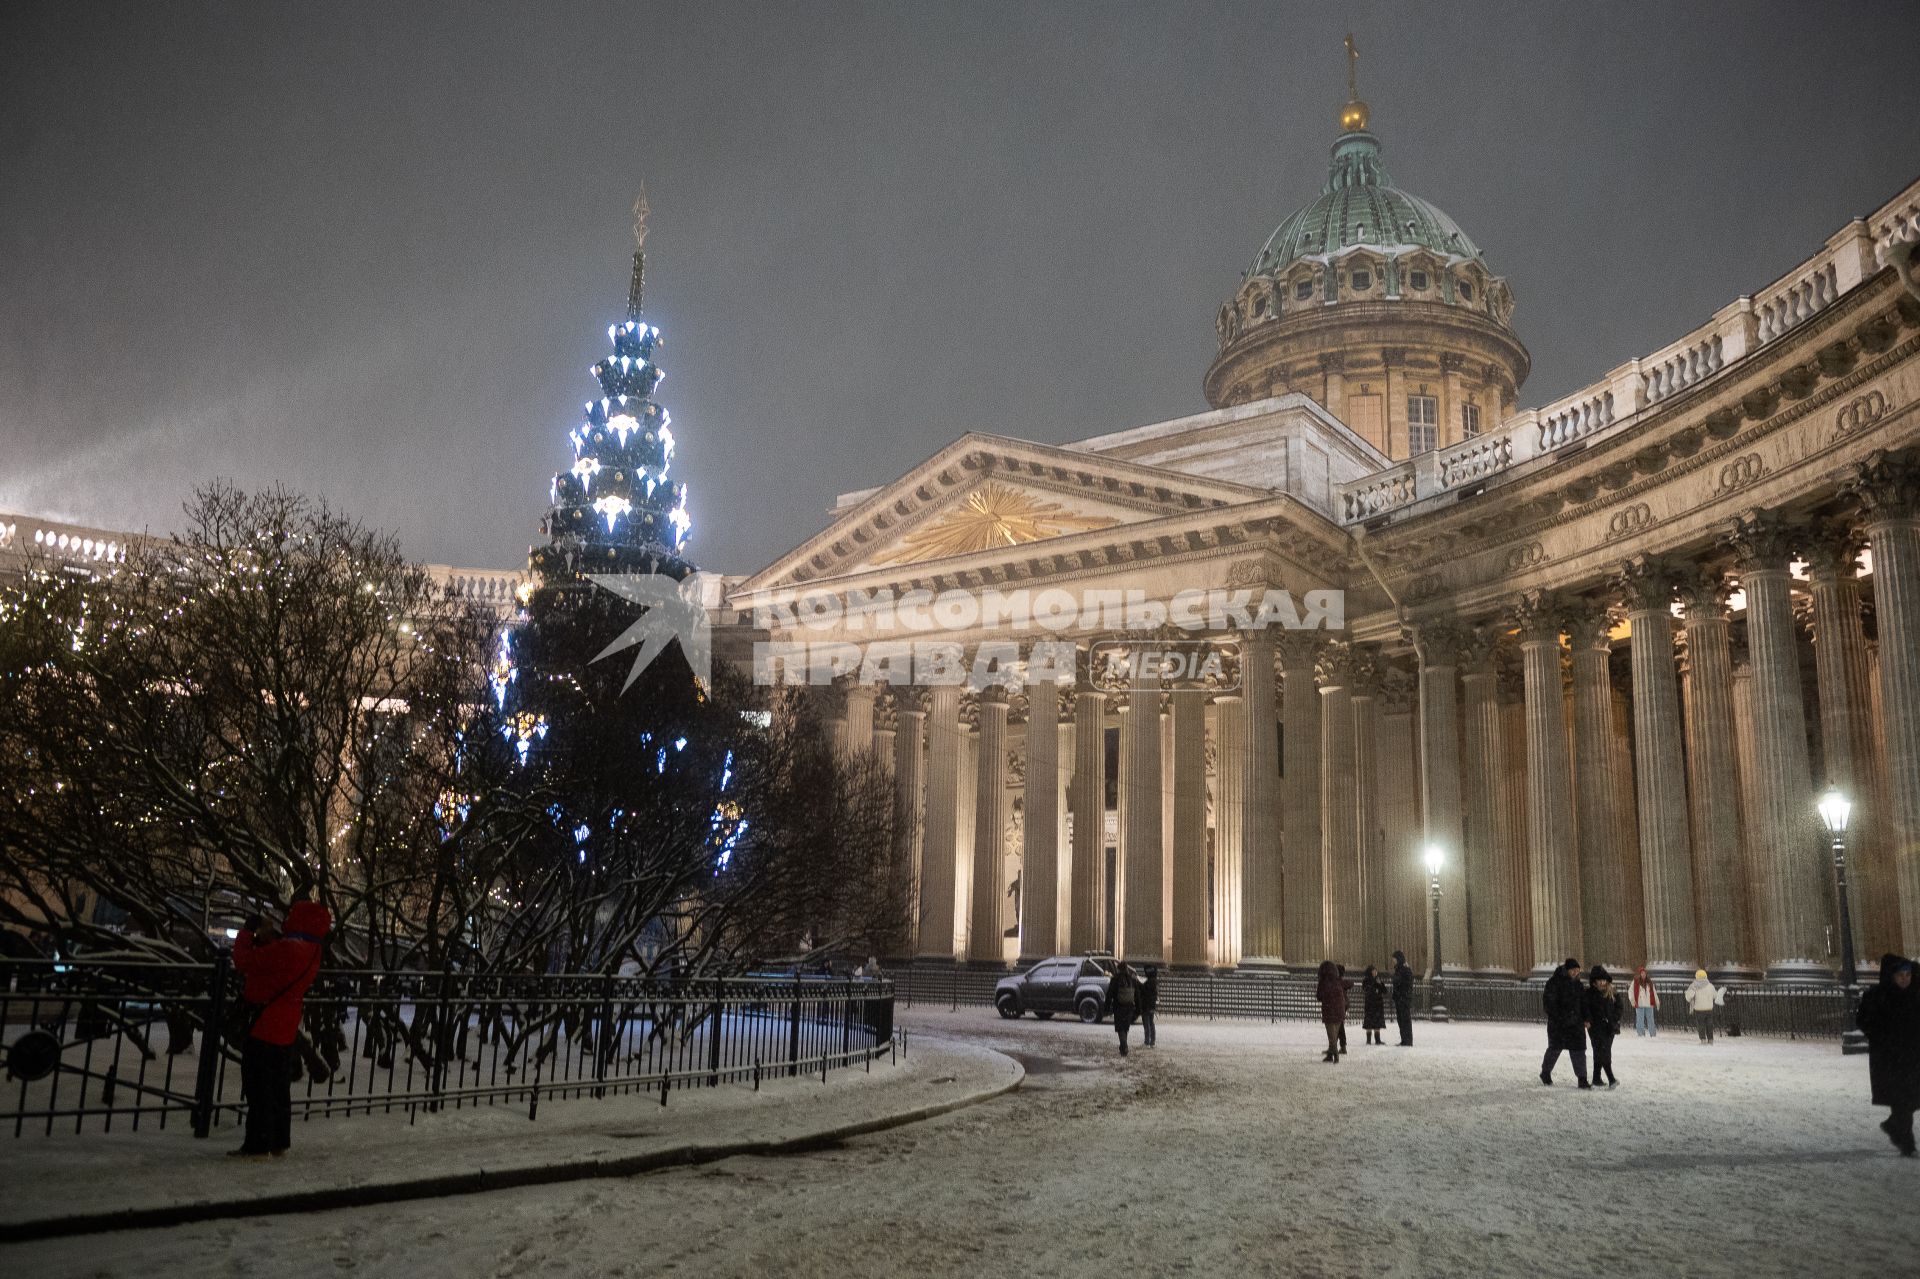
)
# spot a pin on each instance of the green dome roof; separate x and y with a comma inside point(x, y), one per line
point(1360, 205)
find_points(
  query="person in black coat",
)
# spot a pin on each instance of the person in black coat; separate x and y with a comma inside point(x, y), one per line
point(1603, 1022)
point(1148, 1001)
point(1564, 1002)
point(1890, 1019)
point(1373, 1013)
point(1403, 997)
point(1123, 996)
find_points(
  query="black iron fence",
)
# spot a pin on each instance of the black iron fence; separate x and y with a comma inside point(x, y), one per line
point(1815, 1012)
point(150, 1043)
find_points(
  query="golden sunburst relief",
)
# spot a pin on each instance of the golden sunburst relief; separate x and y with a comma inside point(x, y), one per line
point(992, 515)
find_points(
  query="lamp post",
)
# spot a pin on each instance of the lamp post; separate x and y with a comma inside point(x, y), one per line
point(1439, 1010)
point(1834, 812)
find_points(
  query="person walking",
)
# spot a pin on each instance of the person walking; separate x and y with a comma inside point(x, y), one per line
point(1403, 997)
point(1646, 1001)
point(1890, 1019)
point(1373, 1011)
point(1149, 1000)
point(1603, 1022)
point(278, 968)
point(1564, 1004)
point(1123, 995)
point(1702, 998)
point(1332, 994)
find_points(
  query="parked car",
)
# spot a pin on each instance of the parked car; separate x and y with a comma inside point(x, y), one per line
point(1062, 984)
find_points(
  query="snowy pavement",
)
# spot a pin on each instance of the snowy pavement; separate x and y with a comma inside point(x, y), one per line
point(1230, 1149)
point(371, 1158)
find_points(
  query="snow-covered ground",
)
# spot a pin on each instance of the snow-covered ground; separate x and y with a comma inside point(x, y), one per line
point(1230, 1149)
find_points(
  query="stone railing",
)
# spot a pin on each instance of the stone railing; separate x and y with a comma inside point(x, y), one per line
point(1379, 493)
point(1615, 403)
point(487, 586)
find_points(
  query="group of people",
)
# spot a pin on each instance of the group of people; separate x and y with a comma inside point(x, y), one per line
point(1131, 996)
point(1578, 1012)
point(1331, 991)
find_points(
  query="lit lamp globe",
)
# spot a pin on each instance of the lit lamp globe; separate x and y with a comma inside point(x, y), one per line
point(1834, 811)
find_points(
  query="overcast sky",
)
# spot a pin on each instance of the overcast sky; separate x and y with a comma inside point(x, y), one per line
point(370, 251)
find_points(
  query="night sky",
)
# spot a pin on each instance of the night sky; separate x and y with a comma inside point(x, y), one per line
point(370, 251)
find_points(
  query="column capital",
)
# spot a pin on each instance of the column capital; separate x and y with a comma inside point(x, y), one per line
point(1297, 649)
point(1761, 541)
point(1885, 487)
point(1703, 595)
point(1365, 669)
point(1588, 622)
point(884, 709)
point(1440, 641)
point(910, 699)
point(1832, 550)
point(1335, 666)
point(1646, 584)
point(1541, 616)
point(1397, 688)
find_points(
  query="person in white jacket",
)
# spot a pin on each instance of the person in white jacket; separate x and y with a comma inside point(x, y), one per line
point(1702, 998)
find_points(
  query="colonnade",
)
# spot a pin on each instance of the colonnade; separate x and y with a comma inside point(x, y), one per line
point(1658, 809)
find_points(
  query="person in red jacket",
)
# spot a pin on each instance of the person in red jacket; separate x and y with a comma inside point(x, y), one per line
point(278, 968)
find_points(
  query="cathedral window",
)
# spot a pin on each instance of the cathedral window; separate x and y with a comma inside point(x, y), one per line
point(1466, 291)
point(1423, 413)
point(1418, 279)
point(1362, 280)
point(1303, 290)
point(1469, 421)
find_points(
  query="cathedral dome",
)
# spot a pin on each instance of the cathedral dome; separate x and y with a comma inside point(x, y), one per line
point(1360, 206)
point(1373, 302)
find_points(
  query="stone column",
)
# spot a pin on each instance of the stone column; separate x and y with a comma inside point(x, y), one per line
point(1554, 859)
point(1088, 800)
point(984, 942)
point(885, 716)
point(1603, 834)
point(1189, 894)
point(1040, 833)
point(1753, 873)
point(1303, 926)
point(1513, 793)
point(1849, 747)
point(1660, 777)
point(1339, 799)
point(1142, 853)
point(1367, 800)
point(1260, 806)
point(1229, 823)
point(940, 856)
point(910, 805)
point(1441, 646)
point(1487, 843)
point(1887, 490)
point(1405, 879)
point(1713, 781)
point(1795, 888)
point(859, 735)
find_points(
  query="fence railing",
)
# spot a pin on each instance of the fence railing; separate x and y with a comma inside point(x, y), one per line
point(148, 1043)
point(1816, 1012)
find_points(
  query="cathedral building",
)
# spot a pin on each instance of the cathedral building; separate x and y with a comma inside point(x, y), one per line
point(1601, 656)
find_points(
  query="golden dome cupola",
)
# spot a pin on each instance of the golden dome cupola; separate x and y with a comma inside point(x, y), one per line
point(1372, 285)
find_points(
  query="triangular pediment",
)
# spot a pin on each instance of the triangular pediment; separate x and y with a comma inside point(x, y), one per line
point(984, 492)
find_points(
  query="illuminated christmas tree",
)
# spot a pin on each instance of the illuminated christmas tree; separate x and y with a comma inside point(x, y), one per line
point(616, 510)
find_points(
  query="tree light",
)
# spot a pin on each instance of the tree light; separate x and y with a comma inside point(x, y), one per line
point(1433, 859)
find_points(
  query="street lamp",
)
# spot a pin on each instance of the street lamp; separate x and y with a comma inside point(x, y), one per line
point(1834, 812)
point(1433, 859)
